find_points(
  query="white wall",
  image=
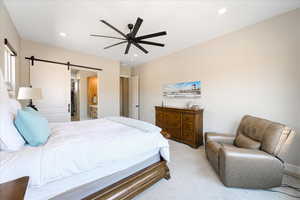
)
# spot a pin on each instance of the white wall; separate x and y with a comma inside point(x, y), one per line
point(125, 71)
point(252, 71)
point(8, 30)
point(109, 78)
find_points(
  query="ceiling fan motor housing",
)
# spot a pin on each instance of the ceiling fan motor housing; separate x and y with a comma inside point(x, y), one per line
point(130, 26)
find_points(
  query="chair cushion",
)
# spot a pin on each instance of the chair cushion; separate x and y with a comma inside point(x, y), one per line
point(248, 168)
point(32, 126)
point(253, 128)
point(246, 142)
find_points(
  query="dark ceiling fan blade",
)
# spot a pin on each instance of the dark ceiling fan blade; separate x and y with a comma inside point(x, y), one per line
point(136, 27)
point(127, 47)
point(151, 43)
point(104, 36)
point(151, 35)
point(111, 26)
point(115, 44)
point(140, 47)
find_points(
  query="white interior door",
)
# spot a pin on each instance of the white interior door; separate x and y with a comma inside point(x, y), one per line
point(134, 103)
point(55, 82)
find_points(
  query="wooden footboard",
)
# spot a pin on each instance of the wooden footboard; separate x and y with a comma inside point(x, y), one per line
point(129, 187)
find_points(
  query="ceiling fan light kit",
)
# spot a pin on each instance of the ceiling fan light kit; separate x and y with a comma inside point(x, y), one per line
point(131, 38)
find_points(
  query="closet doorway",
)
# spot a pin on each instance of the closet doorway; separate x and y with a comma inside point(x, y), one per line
point(84, 95)
point(124, 96)
point(70, 92)
point(129, 97)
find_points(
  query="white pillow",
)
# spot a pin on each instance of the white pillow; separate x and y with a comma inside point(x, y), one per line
point(14, 106)
point(10, 138)
point(1, 145)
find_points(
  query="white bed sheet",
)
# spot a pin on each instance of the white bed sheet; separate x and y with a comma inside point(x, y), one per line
point(106, 175)
point(77, 147)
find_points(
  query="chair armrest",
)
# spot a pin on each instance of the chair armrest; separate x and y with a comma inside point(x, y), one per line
point(219, 137)
point(247, 168)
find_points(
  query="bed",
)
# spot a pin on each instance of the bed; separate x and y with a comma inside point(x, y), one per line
point(108, 158)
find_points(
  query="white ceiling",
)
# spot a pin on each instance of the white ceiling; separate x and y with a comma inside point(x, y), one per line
point(187, 22)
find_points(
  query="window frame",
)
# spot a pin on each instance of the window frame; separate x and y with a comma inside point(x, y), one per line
point(9, 66)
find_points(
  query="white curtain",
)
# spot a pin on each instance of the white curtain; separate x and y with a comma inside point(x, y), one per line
point(3, 107)
point(4, 97)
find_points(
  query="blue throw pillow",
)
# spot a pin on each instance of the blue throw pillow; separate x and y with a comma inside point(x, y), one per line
point(32, 126)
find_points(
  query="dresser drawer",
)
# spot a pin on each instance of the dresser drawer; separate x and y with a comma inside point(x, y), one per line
point(159, 118)
point(188, 122)
point(188, 118)
point(173, 119)
point(188, 136)
point(188, 126)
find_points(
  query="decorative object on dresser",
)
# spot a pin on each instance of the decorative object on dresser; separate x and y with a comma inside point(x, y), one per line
point(14, 190)
point(182, 125)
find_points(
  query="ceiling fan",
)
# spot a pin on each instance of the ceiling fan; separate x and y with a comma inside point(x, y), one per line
point(131, 38)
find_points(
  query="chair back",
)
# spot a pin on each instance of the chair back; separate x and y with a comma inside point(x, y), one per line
point(271, 137)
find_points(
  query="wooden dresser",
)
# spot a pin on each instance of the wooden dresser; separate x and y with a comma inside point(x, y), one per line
point(182, 125)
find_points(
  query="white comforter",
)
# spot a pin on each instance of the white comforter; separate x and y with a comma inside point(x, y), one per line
point(77, 147)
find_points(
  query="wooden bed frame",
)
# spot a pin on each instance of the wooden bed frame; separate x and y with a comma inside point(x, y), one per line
point(134, 184)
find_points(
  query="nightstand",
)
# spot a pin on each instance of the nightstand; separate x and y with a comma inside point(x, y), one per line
point(14, 190)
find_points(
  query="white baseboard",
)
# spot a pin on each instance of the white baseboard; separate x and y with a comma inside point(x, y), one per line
point(292, 170)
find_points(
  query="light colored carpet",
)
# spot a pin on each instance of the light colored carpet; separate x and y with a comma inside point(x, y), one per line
point(192, 178)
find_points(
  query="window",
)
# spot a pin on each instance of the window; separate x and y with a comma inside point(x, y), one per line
point(10, 66)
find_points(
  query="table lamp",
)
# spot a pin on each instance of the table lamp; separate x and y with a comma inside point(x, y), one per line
point(29, 93)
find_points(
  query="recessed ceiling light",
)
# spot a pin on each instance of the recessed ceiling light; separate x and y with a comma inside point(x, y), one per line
point(63, 34)
point(135, 55)
point(222, 11)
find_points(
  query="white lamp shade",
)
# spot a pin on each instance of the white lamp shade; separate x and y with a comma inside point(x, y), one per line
point(29, 93)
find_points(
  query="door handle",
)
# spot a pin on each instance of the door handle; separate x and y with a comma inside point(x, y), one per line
point(137, 106)
point(69, 107)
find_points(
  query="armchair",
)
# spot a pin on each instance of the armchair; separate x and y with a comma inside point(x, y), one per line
point(254, 158)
